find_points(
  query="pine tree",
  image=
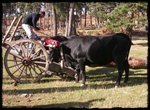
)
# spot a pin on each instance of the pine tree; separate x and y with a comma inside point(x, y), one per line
point(125, 15)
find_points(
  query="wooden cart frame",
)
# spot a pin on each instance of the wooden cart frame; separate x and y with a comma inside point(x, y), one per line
point(27, 60)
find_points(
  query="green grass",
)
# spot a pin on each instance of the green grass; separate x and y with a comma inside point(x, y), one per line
point(99, 92)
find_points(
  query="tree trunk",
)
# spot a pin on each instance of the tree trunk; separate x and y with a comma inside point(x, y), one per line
point(44, 23)
point(134, 63)
point(67, 21)
point(60, 25)
point(51, 22)
point(91, 21)
point(80, 22)
point(97, 22)
point(73, 27)
point(85, 18)
point(54, 20)
point(137, 63)
point(47, 23)
point(70, 18)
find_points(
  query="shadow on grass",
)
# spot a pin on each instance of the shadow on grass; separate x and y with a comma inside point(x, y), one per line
point(11, 81)
point(111, 74)
point(87, 104)
point(108, 72)
point(98, 75)
point(43, 80)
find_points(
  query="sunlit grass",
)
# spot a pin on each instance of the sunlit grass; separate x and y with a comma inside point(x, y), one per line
point(136, 53)
point(99, 93)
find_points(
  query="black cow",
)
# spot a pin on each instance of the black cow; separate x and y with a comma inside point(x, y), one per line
point(54, 53)
point(91, 50)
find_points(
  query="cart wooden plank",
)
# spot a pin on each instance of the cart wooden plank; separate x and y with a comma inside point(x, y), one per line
point(15, 18)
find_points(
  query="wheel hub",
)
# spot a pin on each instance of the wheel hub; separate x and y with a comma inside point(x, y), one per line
point(26, 61)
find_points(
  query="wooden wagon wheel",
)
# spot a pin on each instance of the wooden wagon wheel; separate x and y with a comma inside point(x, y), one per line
point(26, 61)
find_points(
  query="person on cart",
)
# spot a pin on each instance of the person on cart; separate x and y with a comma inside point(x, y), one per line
point(29, 24)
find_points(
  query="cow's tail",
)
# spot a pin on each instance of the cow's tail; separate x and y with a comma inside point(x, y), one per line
point(131, 43)
point(128, 50)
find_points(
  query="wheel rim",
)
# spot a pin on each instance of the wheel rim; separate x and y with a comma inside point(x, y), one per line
point(23, 65)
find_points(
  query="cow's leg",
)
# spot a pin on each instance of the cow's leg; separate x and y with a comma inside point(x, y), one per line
point(82, 72)
point(120, 65)
point(77, 75)
point(126, 65)
point(120, 71)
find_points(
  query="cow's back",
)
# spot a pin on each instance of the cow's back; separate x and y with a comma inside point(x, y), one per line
point(114, 45)
point(97, 50)
point(78, 45)
point(91, 49)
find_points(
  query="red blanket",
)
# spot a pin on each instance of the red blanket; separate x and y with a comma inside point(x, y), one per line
point(51, 42)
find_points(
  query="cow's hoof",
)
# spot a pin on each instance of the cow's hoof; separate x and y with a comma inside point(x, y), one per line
point(116, 86)
point(83, 85)
point(76, 82)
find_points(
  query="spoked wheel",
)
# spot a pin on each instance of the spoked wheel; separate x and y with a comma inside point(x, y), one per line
point(26, 61)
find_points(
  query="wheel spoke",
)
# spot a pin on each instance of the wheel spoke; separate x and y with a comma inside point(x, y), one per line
point(38, 57)
point(40, 63)
point(17, 69)
point(14, 65)
point(36, 72)
point(34, 69)
point(41, 69)
point(27, 48)
point(21, 72)
point(35, 54)
point(13, 60)
point(32, 48)
point(15, 55)
point(22, 49)
point(26, 73)
point(31, 72)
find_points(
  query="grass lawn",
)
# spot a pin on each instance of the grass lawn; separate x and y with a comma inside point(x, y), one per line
point(99, 92)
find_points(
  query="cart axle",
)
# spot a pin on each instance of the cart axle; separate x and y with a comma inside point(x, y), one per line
point(26, 61)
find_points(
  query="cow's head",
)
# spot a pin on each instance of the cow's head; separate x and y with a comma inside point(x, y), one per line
point(54, 48)
point(54, 54)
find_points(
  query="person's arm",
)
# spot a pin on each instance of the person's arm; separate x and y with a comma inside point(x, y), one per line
point(34, 21)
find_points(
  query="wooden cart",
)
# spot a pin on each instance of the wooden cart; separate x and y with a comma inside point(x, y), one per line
point(27, 60)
